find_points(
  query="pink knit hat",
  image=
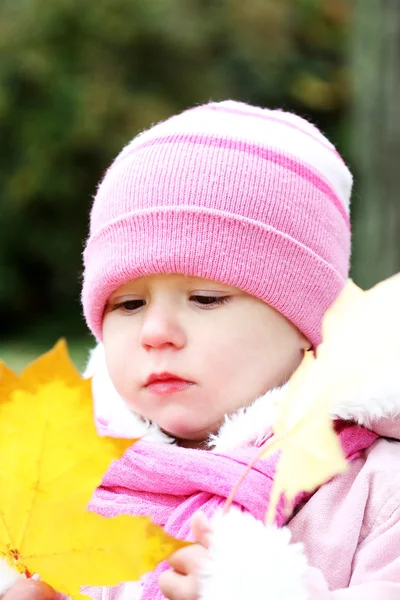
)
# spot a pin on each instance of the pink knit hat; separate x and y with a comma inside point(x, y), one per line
point(250, 197)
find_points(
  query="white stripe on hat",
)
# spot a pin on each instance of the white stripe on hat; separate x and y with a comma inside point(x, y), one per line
point(298, 139)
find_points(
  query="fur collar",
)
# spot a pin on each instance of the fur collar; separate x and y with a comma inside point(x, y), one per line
point(376, 405)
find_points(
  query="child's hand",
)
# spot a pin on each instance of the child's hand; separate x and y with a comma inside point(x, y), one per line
point(182, 581)
point(30, 589)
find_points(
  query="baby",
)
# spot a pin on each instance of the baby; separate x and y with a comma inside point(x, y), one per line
point(218, 240)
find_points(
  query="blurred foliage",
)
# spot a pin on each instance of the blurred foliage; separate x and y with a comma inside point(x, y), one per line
point(79, 79)
point(374, 59)
point(18, 353)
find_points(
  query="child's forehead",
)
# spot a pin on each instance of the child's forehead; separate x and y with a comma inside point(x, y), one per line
point(172, 280)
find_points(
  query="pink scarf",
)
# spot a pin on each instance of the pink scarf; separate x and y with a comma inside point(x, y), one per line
point(170, 484)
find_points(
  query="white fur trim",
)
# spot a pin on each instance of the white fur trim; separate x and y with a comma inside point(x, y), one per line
point(248, 560)
point(113, 417)
point(378, 398)
point(8, 576)
point(249, 425)
point(376, 404)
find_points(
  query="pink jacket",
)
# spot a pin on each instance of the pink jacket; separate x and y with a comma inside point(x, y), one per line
point(342, 544)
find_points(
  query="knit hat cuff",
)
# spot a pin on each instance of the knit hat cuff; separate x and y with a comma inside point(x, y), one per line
point(267, 263)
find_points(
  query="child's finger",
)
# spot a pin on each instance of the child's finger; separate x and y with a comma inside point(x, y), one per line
point(175, 586)
point(187, 560)
point(201, 529)
point(30, 589)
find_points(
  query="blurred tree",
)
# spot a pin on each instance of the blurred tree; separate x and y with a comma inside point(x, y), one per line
point(376, 138)
point(79, 79)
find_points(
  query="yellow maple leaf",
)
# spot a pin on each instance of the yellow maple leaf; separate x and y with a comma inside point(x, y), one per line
point(310, 452)
point(361, 335)
point(51, 461)
point(355, 329)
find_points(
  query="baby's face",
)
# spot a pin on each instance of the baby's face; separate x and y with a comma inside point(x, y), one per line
point(184, 351)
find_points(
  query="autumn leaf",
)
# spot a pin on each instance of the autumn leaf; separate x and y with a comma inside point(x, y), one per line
point(51, 461)
point(355, 330)
point(310, 451)
point(361, 335)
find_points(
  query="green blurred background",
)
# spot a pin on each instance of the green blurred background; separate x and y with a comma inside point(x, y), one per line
point(78, 79)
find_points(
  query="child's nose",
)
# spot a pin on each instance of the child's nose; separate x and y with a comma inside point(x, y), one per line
point(161, 328)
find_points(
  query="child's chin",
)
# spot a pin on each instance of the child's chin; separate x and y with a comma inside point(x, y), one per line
point(182, 431)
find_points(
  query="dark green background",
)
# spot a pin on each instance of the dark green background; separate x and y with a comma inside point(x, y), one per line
point(79, 79)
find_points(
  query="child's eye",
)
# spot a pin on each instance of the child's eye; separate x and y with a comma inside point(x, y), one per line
point(209, 300)
point(129, 306)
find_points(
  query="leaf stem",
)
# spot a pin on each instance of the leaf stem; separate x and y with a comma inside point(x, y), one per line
point(269, 445)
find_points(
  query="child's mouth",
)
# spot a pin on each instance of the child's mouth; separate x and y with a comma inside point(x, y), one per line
point(166, 383)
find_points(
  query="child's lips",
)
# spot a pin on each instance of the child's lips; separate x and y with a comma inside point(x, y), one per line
point(168, 386)
point(166, 383)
